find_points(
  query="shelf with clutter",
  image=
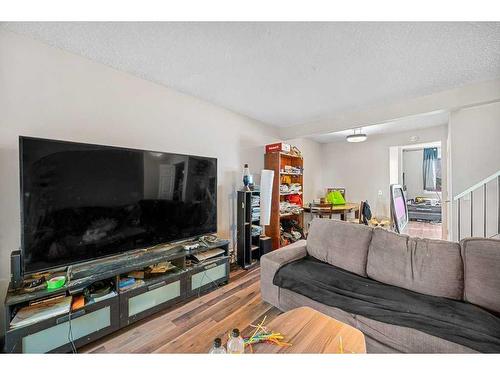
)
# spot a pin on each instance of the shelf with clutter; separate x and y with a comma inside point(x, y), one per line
point(286, 223)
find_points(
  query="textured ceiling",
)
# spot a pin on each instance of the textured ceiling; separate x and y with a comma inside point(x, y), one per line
point(406, 124)
point(288, 73)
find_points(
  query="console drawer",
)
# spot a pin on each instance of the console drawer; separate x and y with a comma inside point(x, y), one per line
point(53, 335)
point(208, 276)
point(146, 300)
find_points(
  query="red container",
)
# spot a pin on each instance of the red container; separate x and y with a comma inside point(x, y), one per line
point(278, 147)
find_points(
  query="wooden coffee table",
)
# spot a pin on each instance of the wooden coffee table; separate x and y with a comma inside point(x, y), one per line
point(310, 331)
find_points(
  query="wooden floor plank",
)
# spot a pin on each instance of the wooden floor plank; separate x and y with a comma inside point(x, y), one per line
point(158, 322)
point(231, 303)
point(191, 326)
point(198, 339)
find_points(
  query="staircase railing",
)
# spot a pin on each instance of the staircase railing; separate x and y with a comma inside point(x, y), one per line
point(470, 193)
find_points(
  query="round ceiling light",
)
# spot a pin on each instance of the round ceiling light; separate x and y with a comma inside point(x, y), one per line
point(356, 137)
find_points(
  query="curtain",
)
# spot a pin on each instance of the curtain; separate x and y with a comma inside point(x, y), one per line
point(430, 168)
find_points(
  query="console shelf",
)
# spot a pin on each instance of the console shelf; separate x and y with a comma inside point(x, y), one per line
point(98, 319)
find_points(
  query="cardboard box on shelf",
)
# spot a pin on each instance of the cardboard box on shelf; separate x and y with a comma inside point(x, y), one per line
point(278, 147)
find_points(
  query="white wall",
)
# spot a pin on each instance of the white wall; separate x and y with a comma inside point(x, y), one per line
point(363, 168)
point(475, 155)
point(313, 167)
point(475, 136)
point(47, 92)
point(412, 168)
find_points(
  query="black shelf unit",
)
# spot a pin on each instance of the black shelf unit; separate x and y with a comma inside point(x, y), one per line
point(248, 245)
point(101, 318)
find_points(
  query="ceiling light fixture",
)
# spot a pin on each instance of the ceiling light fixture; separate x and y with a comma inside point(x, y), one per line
point(357, 136)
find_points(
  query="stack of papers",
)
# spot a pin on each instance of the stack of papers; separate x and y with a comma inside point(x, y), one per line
point(202, 256)
point(41, 311)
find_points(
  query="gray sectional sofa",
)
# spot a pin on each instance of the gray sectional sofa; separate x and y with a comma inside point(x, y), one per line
point(405, 294)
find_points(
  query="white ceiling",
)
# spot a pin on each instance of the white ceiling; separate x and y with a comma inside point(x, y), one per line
point(285, 74)
point(406, 124)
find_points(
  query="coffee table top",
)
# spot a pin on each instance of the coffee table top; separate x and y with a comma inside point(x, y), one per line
point(310, 331)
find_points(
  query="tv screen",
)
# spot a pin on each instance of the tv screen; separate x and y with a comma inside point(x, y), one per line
point(82, 201)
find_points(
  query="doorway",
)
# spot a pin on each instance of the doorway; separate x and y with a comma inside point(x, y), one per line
point(419, 169)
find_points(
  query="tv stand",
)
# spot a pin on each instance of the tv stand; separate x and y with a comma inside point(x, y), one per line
point(98, 319)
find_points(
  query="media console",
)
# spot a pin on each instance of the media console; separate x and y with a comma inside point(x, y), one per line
point(68, 331)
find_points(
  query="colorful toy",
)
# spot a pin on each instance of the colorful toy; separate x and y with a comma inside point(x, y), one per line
point(262, 334)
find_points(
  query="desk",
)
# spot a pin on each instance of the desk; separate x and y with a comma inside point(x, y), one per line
point(341, 209)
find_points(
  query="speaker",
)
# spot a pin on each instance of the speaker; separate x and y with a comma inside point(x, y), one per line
point(265, 245)
point(16, 276)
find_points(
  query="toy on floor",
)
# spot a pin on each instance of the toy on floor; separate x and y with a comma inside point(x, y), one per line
point(262, 334)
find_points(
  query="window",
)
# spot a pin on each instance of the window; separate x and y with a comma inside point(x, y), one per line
point(431, 169)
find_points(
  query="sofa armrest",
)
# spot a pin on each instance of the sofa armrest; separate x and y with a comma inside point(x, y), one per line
point(272, 262)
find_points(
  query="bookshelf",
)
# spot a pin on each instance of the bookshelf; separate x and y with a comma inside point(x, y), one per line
point(277, 161)
point(248, 243)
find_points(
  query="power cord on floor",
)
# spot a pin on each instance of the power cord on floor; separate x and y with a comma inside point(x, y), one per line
point(201, 283)
point(70, 334)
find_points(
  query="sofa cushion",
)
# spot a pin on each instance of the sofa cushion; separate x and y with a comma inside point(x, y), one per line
point(426, 266)
point(462, 323)
point(482, 272)
point(339, 243)
point(380, 337)
point(384, 337)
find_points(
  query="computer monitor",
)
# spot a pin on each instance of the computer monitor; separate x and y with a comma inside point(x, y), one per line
point(399, 209)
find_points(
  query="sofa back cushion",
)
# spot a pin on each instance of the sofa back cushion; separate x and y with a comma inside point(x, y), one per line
point(339, 243)
point(482, 272)
point(432, 267)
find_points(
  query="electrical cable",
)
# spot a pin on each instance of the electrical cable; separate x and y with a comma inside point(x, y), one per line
point(70, 334)
point(209, 279)
point(70, 328)
point(201, 283)
point(13, 348)
point(213, 282)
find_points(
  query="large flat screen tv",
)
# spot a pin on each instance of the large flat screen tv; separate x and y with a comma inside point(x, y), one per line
point(82, 201)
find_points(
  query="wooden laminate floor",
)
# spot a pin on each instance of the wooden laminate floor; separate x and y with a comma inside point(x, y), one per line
point(424, 230)
point(190, 327)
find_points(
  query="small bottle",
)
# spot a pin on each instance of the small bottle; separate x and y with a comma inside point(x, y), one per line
point(380, 209)
point(217, 348)
point(236, 345)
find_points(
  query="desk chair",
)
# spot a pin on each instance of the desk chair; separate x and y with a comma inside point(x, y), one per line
point(359, 216)
point(321, 210)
